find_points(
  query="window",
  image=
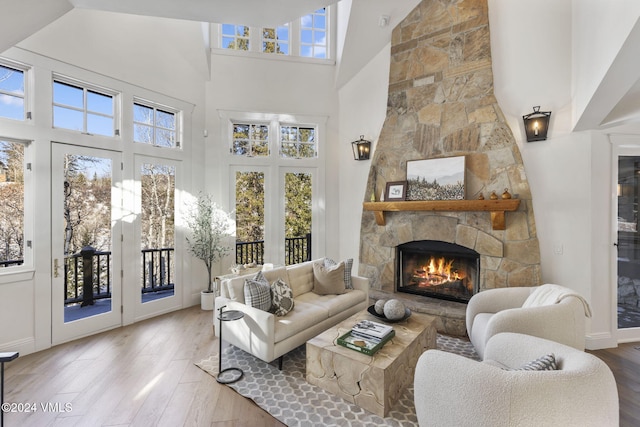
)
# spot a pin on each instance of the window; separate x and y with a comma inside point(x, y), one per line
point(307, 37)
point(313, 34)
point(276, 40)
point(297, 142)
point(12, 194)
point(235, 37)
point(83, 109)
point(154, 125)
point(250, 140)
point(12, 93)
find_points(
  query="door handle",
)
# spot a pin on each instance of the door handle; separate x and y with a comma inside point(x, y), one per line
point(56, 266)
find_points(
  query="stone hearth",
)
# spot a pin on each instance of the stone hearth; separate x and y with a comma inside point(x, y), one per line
point(441, 104)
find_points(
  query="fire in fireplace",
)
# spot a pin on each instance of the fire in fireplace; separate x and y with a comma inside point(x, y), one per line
point(437, 269)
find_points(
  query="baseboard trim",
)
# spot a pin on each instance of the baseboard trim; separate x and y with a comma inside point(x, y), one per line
point(24, 346)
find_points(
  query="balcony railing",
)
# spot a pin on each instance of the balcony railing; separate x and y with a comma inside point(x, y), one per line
point(11, 262)
point(297, 250)
point(157, 274)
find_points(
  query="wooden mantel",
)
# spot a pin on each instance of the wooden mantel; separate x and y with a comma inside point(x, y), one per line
point(496, 207)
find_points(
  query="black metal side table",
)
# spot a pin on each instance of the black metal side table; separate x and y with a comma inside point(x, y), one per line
point(4, 357)
point(227, 316)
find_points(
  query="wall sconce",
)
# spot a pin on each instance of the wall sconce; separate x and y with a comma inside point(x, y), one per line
point(361, 149)
point(536, 124)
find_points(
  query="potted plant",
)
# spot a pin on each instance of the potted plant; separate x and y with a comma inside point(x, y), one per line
point(210, 227)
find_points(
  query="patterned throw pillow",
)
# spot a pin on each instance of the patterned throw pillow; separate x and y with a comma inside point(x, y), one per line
point(281, 298)
point(544, 363)
point(257, 293)
point(348, 265)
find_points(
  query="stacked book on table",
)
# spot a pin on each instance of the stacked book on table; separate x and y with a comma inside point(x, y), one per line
point(367, 337)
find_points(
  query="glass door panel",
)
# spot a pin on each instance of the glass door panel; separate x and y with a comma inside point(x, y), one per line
point(628, 283)
point(157, 216)
point(250, 217)
point(297, 217)
point(86, 252)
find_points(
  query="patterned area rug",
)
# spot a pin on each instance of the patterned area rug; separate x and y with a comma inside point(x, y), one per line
point(289, 398)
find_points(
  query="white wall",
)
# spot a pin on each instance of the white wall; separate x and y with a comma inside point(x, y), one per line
point(363, 108)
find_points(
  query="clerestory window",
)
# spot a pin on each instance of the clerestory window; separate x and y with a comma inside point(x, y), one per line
point(254, 140)
point(307, 37)
point(235, 37)
point(313, 34)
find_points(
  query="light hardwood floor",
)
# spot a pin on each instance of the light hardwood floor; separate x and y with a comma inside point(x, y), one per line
point(144, 375)
point(138, 375)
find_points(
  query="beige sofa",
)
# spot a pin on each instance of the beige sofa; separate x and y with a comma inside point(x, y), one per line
point(452, 390)
point(268, 336)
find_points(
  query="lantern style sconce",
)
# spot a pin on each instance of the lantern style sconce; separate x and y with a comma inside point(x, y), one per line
point(361, 149)
point(536, 124)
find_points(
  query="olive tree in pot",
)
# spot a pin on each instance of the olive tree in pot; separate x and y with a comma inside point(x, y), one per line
point(210, 228)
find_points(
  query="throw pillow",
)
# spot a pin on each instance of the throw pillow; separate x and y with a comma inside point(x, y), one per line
point(281, 298)
point(257, 294)
point(348, 265)
point(328, 280)
point(543, 363)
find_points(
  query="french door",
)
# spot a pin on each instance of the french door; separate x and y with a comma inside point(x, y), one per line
point(627, 231)
point(86, 203)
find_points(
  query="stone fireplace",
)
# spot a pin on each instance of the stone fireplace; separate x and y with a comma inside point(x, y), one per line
point(441, 104)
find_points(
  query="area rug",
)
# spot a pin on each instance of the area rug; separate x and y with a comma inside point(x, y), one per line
point(288, 397)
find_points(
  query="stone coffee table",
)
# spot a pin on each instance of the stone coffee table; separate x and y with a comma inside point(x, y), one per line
point(375, 382)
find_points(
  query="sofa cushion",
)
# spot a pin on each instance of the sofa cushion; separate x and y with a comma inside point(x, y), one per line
point(348, 266)
point(257, 294)
point(334, 304)
point(303, 317)
point(300, 278)
point(281, 298)
point(328, 280)
point(275, 274)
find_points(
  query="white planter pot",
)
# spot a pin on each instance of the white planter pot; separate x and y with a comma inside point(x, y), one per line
point(207, 299)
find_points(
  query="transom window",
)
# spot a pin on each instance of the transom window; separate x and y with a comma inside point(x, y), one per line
point(235, 37)
point(253, 139)
point(297, 142)
point(84, 109)
point(313, 34)
point(12, 93)
point(155, 125)
point(250, 139)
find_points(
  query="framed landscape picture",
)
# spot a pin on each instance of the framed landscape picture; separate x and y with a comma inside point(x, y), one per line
point(396, 191)
point(436, 179)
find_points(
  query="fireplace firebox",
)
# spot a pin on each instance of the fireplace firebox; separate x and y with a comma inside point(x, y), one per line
point(437, 269)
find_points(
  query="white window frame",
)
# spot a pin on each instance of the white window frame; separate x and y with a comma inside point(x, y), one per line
point(164, 108)
point(115, 95)
point(295, 27)
point(26, 75)
point(274, 167)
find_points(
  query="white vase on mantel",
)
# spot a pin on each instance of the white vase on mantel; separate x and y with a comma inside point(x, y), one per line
point(207, 300)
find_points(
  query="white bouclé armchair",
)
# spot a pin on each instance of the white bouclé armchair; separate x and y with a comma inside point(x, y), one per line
point(548, 311)
point(452, 390)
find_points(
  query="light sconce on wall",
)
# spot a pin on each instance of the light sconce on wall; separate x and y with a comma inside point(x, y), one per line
point(536, 124)
point(361, 148)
